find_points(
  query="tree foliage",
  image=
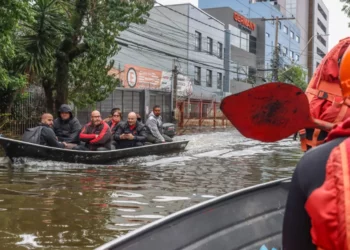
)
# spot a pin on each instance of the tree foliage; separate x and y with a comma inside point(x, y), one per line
point(66, 45)
point(295, 75)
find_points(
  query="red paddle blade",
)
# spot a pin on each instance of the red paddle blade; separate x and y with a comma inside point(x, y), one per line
point(269, 112)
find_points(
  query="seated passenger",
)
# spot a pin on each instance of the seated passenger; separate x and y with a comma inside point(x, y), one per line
point(131, 133)
point(96, 134)
point(154, 126)
point(43, 134)
point(66, 126)
point(111, 114)
point(114, 123)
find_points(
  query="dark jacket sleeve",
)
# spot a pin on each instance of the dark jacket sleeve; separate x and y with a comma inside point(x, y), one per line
point(56, 127)
point(141, 137)
point(297, 223)
point(104, 135)
point(119, 131)
point(75, 130)
point(50, 138)
point(83, 136)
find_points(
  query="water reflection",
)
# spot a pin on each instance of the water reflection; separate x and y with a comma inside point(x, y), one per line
point(53, 205)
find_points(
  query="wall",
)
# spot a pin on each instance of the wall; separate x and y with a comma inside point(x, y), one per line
point(169, 34)
point(215, 30)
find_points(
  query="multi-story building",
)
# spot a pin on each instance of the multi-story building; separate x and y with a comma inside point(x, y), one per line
point(312, 17)
point(261, 40)
point(181, 35)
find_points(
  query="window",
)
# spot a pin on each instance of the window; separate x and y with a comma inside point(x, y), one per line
point(219, 79)
point(197, 75)
point(321, 39)
point(297, 57)
point(242, 73)
point(279, 47)
point(198, 41)
point(297, 38)
point(240, 39)
point(234, 69)
point(321, 11)
point(210, 45)
point(317, 64)
point(291, 34)
point(219, 50)
point(320, 53)
point(321, 25)
point(209, 78)
point(285, 51)
point(285, 29)
point(291, 54)
point(252, 44)
point(280, 24)
point(267, 34)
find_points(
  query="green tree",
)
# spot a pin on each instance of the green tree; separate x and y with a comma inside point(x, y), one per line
point(70, 43)
point(295, 75)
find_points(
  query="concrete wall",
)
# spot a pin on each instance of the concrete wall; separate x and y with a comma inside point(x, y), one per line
point(169, 34)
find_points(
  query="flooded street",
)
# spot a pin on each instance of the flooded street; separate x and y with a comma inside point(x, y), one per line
point(74, 206)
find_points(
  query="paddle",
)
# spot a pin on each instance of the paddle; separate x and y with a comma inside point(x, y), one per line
point(270, 112)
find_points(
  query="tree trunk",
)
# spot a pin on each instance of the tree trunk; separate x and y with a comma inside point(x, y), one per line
point(48, 89)
point(62, 67)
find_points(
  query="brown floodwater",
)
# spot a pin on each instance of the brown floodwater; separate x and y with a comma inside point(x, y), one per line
point(55, 205)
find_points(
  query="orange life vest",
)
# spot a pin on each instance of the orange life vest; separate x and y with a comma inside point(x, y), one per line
point(325, 97)
point(329, 205)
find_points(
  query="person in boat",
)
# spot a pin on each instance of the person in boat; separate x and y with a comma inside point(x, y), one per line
point(96, 134)
point(111, 114)
point(115, 121)
point(325, 98)
point(66, 126)
point(131, 133)
point(154, 127)
point(317, 214)
point(43, 134)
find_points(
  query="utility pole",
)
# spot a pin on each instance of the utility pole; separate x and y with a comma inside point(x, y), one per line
point(174, 90)
point(276, 50)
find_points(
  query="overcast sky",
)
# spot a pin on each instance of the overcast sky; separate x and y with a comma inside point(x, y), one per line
point(338, 22)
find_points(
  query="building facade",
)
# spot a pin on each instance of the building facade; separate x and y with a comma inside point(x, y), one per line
point(177, 35)
point(312, 17)
point(260, 51)
point(240, 50)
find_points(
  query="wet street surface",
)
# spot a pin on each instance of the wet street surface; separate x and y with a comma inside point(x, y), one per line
point(52, 205)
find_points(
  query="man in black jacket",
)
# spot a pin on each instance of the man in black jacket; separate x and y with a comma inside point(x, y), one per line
point(131, 133)
point(43, 134)
point(66, 126)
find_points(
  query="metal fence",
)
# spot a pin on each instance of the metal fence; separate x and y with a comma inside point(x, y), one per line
point(25, 113)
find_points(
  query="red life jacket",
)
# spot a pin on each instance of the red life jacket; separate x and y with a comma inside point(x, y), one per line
point(325, 97)
point(329, 205)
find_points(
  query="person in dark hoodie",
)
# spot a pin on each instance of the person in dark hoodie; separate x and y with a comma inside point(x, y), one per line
point(131, 133)
point(43, 133)
point(66, 126)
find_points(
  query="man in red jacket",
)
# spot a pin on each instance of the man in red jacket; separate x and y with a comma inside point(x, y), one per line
point(96, 134)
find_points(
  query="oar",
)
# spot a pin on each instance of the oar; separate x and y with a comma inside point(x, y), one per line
point(270, 112)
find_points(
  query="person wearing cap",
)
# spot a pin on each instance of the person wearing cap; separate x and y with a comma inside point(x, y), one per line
point(66, 126)
point(317, 214)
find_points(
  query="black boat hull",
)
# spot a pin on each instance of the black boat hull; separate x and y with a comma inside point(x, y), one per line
point(246, 219)
point(17, 149)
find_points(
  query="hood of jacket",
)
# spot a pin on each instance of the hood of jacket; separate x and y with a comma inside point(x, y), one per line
point(154, 116)
point(65, 108)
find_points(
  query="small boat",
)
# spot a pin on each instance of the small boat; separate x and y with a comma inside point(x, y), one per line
point(249, 219)
point(16, 149)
